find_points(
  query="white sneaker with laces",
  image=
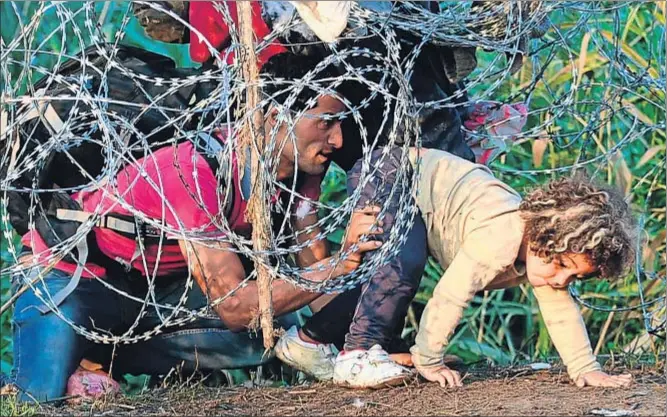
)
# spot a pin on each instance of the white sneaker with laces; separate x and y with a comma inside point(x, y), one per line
point(316, 360)
point(371, 368)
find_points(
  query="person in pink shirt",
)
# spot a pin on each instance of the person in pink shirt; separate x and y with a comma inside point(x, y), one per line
point(178, 186)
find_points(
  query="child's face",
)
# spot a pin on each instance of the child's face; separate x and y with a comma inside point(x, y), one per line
point(558, 273)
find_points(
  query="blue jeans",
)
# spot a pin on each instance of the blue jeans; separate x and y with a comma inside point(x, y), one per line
point(382, 302)
point(47, 350)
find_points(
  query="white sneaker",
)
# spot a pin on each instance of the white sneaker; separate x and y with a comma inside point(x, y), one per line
point(316, 360)
point(371, 368)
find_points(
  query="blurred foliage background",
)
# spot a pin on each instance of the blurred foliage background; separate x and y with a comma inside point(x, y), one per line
point(505, 326)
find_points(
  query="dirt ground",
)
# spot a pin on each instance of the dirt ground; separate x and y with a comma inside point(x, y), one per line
point(491, 392)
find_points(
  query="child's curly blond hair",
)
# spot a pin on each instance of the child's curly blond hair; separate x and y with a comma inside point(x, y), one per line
point(574, 215)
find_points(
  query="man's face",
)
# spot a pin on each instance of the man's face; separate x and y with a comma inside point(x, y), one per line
point(317, 136)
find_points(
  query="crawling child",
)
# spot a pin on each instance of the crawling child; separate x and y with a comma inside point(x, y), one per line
point(486, 237)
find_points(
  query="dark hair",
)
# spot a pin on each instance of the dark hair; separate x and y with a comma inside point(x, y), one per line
point(282, 70)
point(575, 215)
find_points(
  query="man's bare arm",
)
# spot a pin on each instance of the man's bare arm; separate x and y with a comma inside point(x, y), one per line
point(314, 252)
point(218, 271)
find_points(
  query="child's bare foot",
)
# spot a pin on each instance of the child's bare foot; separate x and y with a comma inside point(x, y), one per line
point(403, 359)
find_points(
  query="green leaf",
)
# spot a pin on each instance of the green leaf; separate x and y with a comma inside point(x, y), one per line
point(135, 384)
point(5, 367)
point(337, 236)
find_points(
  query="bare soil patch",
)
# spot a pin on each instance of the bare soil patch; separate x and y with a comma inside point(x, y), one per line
point(488, 392)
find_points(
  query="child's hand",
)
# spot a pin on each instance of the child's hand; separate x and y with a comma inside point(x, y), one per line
point(601, 379)
point(441, 374)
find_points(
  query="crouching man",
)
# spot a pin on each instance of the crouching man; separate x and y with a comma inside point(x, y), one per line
point(47, 350)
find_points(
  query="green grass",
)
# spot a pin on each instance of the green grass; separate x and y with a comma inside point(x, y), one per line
point(5, 320)
point(10, 406)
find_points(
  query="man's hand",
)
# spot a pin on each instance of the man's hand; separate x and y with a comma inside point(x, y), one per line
point(363, 222)
point(601, 379)
point(441, 374)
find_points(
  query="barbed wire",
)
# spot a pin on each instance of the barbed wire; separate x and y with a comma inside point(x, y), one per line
point(533, 52)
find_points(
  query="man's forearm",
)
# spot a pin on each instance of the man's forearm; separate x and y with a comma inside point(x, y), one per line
point(240, 309)
point(220, 274)
point(286, 297)
point(317, 250)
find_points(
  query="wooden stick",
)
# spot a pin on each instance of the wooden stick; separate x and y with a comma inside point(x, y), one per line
point(14, 297)
point(253, 135)
point(26, 287)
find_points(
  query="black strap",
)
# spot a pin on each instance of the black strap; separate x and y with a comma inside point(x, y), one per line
point(210, 148)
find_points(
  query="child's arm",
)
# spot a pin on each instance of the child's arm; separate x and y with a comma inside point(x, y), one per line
point(462, 279)
point(486, 252)
point(567, 330)
point(568, 333)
